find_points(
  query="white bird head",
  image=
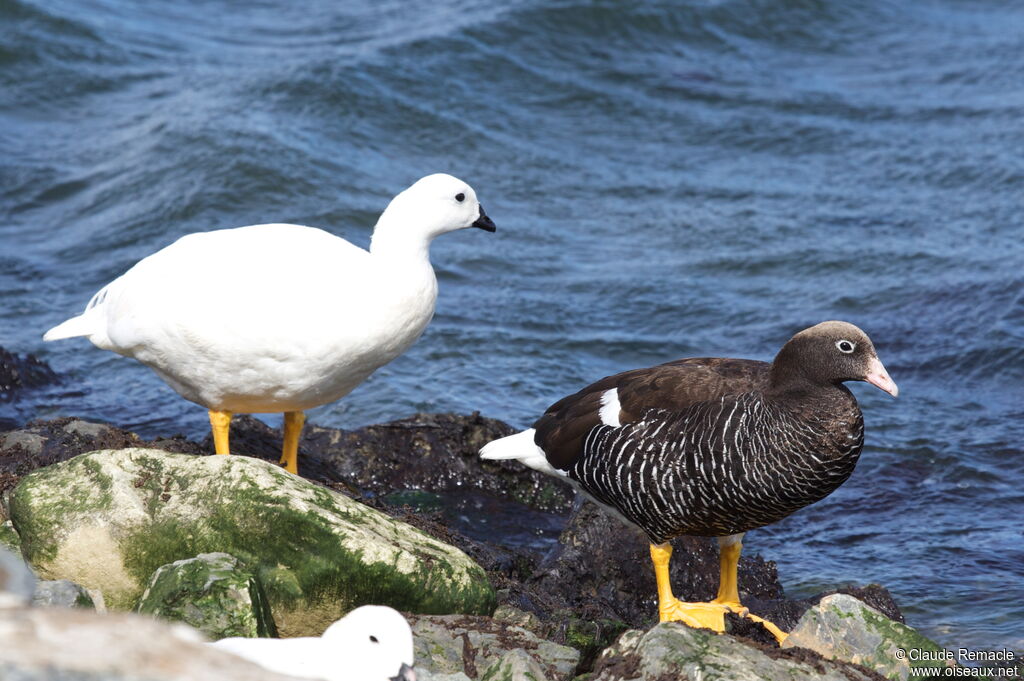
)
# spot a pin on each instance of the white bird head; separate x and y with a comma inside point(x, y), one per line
point(377, 645)
point(434, 205)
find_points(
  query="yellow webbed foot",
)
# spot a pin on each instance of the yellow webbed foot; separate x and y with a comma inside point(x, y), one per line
point(712, 616)
point(774, 630)
point(698, 615)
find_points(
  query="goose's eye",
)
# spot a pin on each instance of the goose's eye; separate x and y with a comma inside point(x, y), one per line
point(374, 638)
point(845, 346)
point(460, 197)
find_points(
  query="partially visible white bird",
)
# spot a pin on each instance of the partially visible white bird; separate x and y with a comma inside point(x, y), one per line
point(371, 643)
point(280, 318)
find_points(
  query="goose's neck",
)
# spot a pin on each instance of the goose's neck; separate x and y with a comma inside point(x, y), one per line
point(395, 239)
point(400, 247)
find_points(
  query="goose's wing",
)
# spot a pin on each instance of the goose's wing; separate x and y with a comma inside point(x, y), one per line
point(293, 656)
point(213, 288)
point(624, 398)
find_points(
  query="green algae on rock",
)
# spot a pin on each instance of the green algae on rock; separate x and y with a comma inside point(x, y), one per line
point(9, 538)
point(109, 519)
point(675, 651)
point(840, 627)
point(515, 665)
point(211, 592)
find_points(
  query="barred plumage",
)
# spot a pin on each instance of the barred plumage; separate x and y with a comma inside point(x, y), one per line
point(717, 468)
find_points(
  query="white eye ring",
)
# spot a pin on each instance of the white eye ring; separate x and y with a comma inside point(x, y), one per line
point(846, 347)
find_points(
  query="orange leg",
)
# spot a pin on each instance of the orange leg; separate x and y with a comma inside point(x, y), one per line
point(293, 422)
point(705, 615)
point(220, 421)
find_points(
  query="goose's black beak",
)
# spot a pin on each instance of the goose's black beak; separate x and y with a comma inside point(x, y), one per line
point(406, 673)
point(483, 222)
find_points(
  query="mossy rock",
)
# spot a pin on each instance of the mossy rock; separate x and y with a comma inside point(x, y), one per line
point(109, 519)
point(675, 651)
point(212, 593)
point(9, 538)
point(515, 665)
point(840, 627)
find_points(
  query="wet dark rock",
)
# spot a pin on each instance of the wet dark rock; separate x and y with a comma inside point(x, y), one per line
point(18, 372)
point(602, 567)
point(435, 452)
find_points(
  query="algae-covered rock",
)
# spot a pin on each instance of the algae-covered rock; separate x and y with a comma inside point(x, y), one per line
point(451, 644)
point(510, 615)
point(424, 675)
point(515, 665)
point(61, 593)
point(841, 627)
point(675, 651)
point(9, 538)
point(211, 592)
point(109, 519)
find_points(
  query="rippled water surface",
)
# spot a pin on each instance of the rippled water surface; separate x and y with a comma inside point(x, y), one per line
point(667, 180)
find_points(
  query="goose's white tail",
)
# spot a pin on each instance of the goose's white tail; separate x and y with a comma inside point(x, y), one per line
point(522, 447)
point(82, 325)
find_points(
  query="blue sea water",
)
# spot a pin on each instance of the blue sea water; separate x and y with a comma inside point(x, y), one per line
point(668, 179)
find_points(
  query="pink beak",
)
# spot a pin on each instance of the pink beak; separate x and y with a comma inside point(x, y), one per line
point(879, 377)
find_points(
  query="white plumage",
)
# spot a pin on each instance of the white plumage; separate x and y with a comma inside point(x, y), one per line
point(371, 643)
point(280, 318)
point(521, 447)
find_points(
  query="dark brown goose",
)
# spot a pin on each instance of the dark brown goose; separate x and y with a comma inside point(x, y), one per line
point(711, 447)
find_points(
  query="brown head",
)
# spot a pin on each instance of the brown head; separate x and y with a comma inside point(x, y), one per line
point(826, 354)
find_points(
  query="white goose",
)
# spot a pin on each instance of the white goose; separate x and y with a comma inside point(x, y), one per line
point(280, 318)
point(371, 643)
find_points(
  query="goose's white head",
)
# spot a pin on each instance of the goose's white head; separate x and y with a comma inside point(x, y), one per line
point(374, 644)
point(434, 205)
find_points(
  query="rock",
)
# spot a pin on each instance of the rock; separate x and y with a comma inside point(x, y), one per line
point(450, 644)
point(520, 618)
point(19, 372)
point(431, 452)
point(17, 583)
point(45, 644)
point(602, 570)
point(62, 593)
point(44, 443)
point(212, 593)
point(873, 595)
point(108, 519)
point(675, 651)
point(30, 443)
point(842, 628)
point(424, 675)
point(9, 538)
point(515, 665)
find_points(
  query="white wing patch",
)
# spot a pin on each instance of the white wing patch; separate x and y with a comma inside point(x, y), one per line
point(610, 408)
